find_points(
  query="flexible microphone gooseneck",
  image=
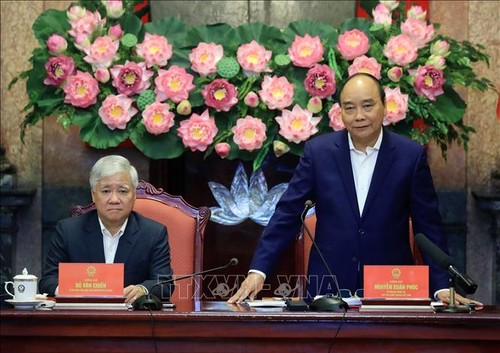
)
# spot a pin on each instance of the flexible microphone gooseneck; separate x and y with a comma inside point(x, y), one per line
point(152, 302)
point(445, 262)
point(326, 303)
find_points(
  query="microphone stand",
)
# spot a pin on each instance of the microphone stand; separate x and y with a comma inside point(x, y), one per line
point(452, 308)
point(328, 302)
point(152, 302)
point(445, 262)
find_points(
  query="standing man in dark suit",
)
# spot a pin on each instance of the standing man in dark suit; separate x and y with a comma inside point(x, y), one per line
point(113, 233)
point(366, 182)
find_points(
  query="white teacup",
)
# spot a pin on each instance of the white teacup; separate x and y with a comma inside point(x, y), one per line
point(25, 287)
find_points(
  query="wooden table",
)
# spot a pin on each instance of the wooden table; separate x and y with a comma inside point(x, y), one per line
point(217, 327)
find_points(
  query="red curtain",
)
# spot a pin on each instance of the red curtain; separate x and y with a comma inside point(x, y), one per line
point(140, 6)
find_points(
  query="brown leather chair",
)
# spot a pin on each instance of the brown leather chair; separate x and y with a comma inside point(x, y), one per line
point(303, 248)
point(186, 228)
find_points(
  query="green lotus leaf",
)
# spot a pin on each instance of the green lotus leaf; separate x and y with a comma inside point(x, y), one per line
point(164, 146)
point(95, 132)
point(50, 22)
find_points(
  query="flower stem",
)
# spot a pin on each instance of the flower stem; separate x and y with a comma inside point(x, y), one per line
point(332, 62)
point(246, 87)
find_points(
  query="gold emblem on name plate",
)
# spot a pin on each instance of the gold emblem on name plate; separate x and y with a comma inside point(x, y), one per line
point(91, 271)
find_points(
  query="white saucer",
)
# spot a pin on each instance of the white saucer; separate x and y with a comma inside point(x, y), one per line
point(23, 305)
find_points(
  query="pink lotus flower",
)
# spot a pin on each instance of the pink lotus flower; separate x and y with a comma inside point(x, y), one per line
point(220, 95)
point(184, 107)
point(314, 105)
point(352, 44)
point(306, 51)
point(396, 105)
point(131, 78)
point(114, 8)
point(249, 133)
point(418, 31)
point(277, 92)
point(174, 83)
point(102, 75)
point(75, 12)
point(56, 44)
point(58, 69)
point(320, 81)
point(102, 52)
point(198, 131)
point(416, 12)
point(82, 41)
point(81, 90)
point(428, 82)
point(335, 117)
point(84, 22)
point(365, 64)
point(395, 73)
point(253, 58)
point(437, 61)
point(204, 58)
point(222, 149)
point(116, 111)
point(400, 50)
point(115, 32)
point(382, 15)
point(298, 124)
point(157, 118)
point(251, 99)
point(155, 50)
point(390, 4)
point(441, 48)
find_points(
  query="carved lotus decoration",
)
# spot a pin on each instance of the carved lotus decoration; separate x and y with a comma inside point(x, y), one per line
point(246, 199)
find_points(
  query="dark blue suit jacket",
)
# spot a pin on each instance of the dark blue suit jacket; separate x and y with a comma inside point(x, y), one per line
point(143, 248)
point(401, 187)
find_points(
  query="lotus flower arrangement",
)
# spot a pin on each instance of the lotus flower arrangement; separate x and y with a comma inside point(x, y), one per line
point(240, 92)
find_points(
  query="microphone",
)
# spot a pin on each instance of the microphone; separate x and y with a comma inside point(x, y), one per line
point(326, 303)
point(445, 262)
point(152, 302)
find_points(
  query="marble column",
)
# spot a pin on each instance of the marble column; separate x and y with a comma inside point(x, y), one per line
point(488, 200)
point(12, 200)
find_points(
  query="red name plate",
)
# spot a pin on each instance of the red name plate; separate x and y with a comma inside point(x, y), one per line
point(396, 282)
point(91, 280)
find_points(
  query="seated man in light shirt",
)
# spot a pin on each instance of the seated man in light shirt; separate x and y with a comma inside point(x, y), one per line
point(113, 233)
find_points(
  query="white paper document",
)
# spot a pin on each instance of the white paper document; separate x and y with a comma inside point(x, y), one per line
point(266, 303)
point(93, 306)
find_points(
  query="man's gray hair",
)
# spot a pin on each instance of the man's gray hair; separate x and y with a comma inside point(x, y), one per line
point(110, 165)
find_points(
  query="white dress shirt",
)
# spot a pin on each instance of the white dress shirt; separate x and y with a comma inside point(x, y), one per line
point(111, 241)
point(363, 165)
